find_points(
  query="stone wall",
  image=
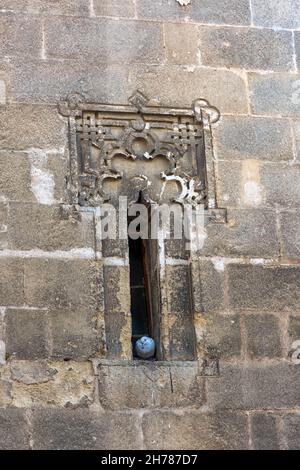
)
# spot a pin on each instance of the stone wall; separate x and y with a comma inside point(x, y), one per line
point(57, 388)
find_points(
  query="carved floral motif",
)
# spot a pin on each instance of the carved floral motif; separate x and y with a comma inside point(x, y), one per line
point(138, 149)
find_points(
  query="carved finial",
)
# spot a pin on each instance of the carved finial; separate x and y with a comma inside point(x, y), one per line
point(71, 104)
point(204, 111)
point(138, 100)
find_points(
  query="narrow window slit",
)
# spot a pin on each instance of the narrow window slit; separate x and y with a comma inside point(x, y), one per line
point(140, 290)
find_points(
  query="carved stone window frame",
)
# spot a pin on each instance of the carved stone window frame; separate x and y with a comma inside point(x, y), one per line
point(204, 116)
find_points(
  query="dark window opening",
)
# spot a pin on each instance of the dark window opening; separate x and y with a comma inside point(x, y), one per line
point(141, 309)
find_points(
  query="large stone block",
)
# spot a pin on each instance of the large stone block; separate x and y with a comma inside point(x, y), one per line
point(263, 336)
point(249, 232)
point(291, 428)
point(26, 333)
point(150, 385)
point(109, 40)
point(11, 281)
point(65, 384)
point(36, 226)
point(27, 126)
point(52, 81)
point(175, 86)
point(297, 46)
point(252, 48)
point(48, 7)
point(276, 13)
point(259, 138)
point(195, 431)
point(264, 431)
point(77, 429)
point(74, 333)
point(281, 184)
point(203, 11)
point(181, 41)
point(294, 328)
point(123, 8)
point(15, 177)
point(20, 36)
point(14, 433)
point(264, 287)
point(290, 233)
point(117, 289)
point(3, 225)
point(275, 94)
point(63, 283)
point(223, 335)
point(208, 283)
point(251, 183)
point(5, 392)
point(256, 386)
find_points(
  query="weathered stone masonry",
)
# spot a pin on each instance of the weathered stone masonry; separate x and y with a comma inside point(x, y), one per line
point(58, 387)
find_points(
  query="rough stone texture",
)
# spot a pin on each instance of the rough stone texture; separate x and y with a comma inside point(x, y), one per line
point(59, 429)
point(14, 433)
point(239, 138)
point(73, 38)
point(294, 328)
point(203, 11)
point(66, 384)
point(253, 184)
point(276, 13)
point(20, 35)
point(36, 226)
point(264, 432)
point(114, 8)
point(275, 94)
point(281, 184)
point(208, 286)
point(3, 226)
point(263, 336)
point(62, 282)
point(15, 177)
point(196, 430)
point(223, 335)
point(150, 385)
point(26, 333)
point(247, 48)
point(264, 287)
point(291, 425)
point(47, 81)
point(11, 282)
point(181, 42)
point(247, 232)
point(254, 386)
point(237, 303)
point(297, 46)
point(290, 230)
point(47, 7)
point(74, 333)
point(34, 126)
point(5, 393)
point(221, 87)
